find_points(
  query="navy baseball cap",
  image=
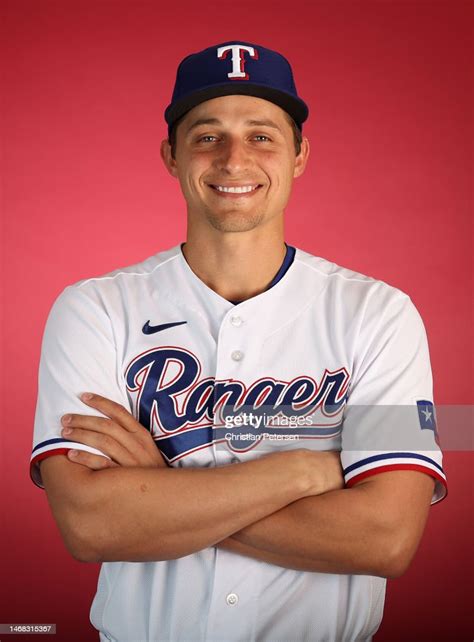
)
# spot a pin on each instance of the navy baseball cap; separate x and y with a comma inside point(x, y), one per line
point(231, 68)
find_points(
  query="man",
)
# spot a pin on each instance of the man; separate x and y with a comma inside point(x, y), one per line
point(290, 399)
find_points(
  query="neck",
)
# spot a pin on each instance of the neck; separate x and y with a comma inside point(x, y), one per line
point(237, 265)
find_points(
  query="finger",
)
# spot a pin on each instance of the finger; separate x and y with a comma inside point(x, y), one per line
point(94, 462)
point(135, 444)
point(113, 410)
point(103, 442)
point(89, 422)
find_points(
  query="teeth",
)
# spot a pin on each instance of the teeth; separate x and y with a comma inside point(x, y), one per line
point(236, 190)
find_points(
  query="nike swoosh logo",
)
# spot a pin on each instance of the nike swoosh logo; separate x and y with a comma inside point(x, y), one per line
point(151, 329)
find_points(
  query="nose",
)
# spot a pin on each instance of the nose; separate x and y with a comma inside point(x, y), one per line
point(233, 156)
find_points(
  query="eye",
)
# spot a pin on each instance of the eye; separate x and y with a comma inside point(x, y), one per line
point(206, 139)
point(262, 136)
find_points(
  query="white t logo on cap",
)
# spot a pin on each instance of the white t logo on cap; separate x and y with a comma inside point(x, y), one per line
point(238, 60)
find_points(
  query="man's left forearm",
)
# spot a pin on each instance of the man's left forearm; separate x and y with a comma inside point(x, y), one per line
point(373, 528)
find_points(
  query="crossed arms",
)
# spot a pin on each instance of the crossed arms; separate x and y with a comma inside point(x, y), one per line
point(288, 508)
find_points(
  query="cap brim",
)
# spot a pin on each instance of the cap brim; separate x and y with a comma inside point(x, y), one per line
point(297, 109)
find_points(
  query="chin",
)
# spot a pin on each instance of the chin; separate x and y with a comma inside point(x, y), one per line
point(237, 222)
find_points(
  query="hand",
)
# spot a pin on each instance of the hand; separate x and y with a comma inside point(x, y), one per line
point(324, 469)
point(329, 470)
point(118, 435)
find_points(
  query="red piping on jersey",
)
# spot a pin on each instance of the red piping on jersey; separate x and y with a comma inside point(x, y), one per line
point(384, 469)
point(47, 453)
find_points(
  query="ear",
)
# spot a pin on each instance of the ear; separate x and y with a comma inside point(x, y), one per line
point(302, 158)
point(168, 160)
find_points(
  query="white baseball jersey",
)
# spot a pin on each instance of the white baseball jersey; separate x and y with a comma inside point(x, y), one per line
point(344, 354)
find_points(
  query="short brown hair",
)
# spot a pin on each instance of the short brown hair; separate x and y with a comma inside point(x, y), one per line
point(297, 134)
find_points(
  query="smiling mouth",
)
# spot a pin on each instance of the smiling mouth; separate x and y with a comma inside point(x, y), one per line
point(235, 190)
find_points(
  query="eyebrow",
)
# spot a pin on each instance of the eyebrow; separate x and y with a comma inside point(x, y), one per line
point(250, 123)
point(262, 123)
point(203, 121)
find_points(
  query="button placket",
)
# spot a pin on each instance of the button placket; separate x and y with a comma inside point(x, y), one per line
point(237, 321)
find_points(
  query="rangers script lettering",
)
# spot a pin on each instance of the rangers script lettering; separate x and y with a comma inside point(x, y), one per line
point(168, 403)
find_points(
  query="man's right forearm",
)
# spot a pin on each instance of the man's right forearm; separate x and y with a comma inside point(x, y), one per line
point(149, 514)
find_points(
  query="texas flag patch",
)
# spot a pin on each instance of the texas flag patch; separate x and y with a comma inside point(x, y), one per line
point(426, 415)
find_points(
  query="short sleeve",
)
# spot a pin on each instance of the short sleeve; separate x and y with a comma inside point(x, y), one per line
point(78, 354)
point(390, 418)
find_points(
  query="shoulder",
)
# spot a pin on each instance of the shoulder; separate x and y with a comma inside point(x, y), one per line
point(347, 287)
point(119, 283)
point(131, 273)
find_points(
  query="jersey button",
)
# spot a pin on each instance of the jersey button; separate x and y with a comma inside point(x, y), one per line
point(237, 321)
point(232, 599)
point(237, 355)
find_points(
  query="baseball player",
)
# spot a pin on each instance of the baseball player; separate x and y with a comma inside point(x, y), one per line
point(242, 433)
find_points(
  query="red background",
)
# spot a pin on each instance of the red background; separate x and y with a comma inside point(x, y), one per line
point(387, 193)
